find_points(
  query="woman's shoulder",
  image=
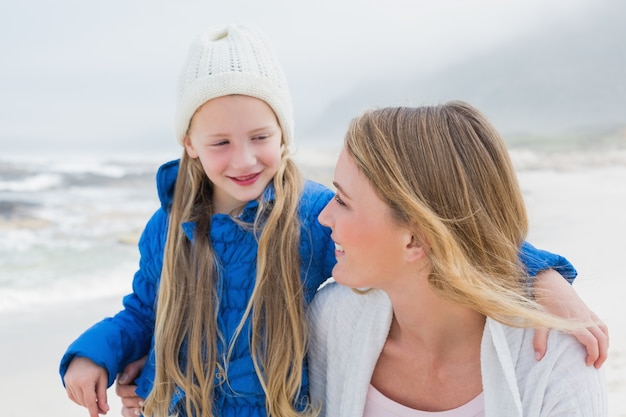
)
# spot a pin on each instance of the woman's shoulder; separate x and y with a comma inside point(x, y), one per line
point(338, 303)
point(555, 381)
point(347, 328)
point(331, 293)
point(561, 345)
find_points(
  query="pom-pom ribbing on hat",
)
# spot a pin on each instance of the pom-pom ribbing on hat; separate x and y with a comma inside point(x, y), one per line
point(232, 59)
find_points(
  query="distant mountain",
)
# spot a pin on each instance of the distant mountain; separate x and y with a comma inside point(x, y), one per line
point(565, 81)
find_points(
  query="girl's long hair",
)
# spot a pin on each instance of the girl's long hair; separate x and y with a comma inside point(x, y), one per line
point(188, 303)
point(446, 174)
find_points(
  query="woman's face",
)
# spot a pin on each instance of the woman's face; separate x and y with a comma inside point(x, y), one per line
point(238, 141)
point(371, 247)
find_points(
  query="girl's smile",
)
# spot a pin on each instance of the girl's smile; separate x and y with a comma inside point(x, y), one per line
point(247, 179)
point(238, 141)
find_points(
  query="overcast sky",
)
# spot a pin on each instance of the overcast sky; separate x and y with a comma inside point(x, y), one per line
point(101, 74)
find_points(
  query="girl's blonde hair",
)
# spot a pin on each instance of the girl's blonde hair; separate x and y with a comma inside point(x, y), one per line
point(186, 322)
point(446, 174)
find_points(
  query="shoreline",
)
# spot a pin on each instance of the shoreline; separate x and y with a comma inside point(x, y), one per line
point(577, 212)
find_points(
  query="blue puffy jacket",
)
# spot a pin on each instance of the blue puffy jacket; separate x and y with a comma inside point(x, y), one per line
point(116, 341)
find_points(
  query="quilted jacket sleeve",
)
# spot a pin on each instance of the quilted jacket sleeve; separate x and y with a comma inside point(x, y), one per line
point(125, 337)
point(537, 260)
point(317, 249)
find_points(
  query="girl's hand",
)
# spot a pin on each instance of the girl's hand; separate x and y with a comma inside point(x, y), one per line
point(560, 298)
point(86, 385)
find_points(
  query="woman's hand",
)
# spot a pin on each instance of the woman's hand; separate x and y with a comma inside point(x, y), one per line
point(560, 298)
point(131, 402)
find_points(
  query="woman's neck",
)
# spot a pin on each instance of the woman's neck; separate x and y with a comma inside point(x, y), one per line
point(426, 321)
point(431, 358)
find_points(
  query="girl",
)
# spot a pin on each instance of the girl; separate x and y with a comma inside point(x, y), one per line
point(234, 253)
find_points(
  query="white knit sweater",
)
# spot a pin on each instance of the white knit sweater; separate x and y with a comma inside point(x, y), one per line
point(348, 331)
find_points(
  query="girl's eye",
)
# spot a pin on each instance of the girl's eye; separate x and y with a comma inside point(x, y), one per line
point(220, 143)
point(260, 137)
point(339, 200)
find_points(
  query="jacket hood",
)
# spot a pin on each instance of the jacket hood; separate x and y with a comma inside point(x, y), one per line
point(165, 181)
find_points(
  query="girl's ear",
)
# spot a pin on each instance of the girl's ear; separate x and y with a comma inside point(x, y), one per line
point(191, 152)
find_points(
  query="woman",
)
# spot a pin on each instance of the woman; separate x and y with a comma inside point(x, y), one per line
point(429, 216)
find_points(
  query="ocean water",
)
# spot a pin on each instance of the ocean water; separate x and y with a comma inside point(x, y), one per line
point(69, 226)
point(68, 229)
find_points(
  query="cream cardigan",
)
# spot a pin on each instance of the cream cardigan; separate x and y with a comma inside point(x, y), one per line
point(348, 331)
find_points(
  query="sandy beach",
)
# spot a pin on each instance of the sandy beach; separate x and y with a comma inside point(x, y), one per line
point(576, 208)
point(30, 350)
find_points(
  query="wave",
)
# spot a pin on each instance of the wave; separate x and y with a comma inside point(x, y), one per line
point(100, 284)
point(33, 174)
point(35, 182)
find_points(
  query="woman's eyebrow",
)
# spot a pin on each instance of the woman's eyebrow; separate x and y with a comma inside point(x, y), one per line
point(338, 187)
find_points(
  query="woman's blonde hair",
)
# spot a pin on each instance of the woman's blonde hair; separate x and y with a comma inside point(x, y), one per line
point(186, 322)
point(446, 174)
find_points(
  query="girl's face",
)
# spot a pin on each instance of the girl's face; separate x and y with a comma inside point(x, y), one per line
point(238, 141)
point(370, 246)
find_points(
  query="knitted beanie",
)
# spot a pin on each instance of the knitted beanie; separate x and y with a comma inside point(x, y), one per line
point(232, 59)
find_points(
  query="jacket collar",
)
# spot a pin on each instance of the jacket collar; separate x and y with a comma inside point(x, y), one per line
point(166, 182)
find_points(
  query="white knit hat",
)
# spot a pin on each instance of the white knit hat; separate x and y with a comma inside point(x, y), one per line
point(232, 59)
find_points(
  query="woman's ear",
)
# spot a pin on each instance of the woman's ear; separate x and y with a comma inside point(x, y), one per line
point(191, 151)
point(414, 248)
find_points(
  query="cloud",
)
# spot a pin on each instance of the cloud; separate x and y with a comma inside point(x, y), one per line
point(88, 74)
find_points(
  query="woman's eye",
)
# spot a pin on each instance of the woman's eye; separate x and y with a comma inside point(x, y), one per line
point(339, 200)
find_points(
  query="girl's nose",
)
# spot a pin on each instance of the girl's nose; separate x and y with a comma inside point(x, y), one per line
point(243, 157)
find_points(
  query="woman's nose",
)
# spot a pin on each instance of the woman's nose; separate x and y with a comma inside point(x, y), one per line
point(324, 216)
